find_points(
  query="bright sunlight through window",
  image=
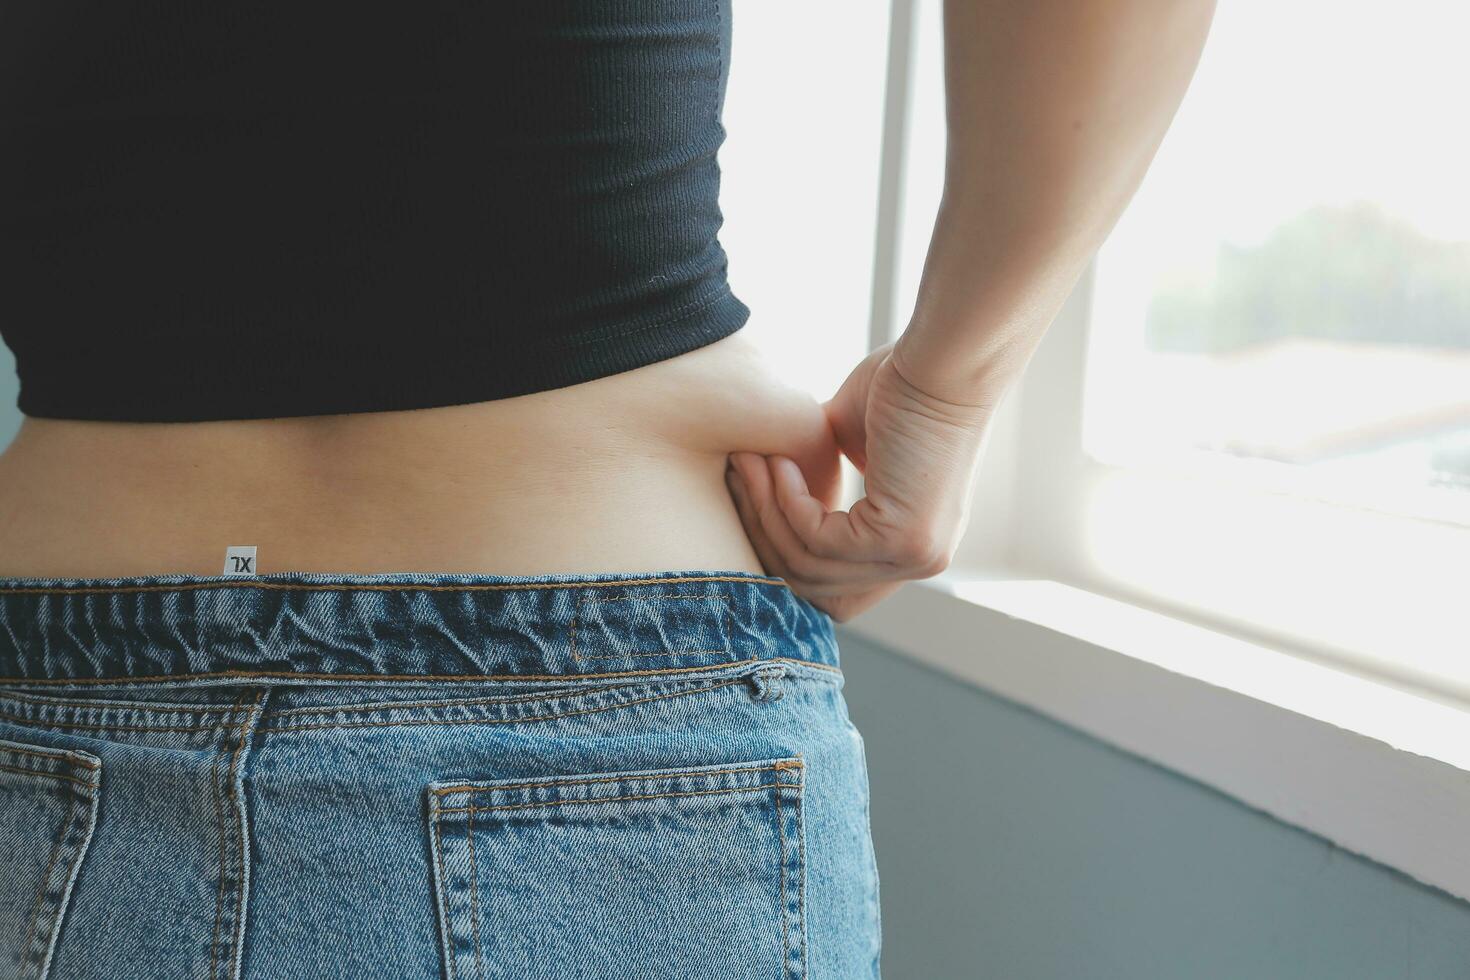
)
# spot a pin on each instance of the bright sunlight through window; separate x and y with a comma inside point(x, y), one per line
point(1291, 286)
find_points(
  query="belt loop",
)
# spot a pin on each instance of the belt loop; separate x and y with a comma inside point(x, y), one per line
point(766, 682)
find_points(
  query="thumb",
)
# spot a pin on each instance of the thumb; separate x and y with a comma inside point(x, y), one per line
point(848, 429)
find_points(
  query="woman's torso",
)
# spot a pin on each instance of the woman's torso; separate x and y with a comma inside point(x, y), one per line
point(624, 473)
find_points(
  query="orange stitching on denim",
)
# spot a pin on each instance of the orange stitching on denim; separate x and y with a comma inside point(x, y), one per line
point(83, 814)
point(46, 775)
point(382, 587)
point(443, 896)
point(781, 830)
point(400, 678)
point(50, 702)
point(229, 797)
point(60, 757)
point(618, 799)
point(475, 897)
point(219, 823)
point(41, 723)
point(219, 829)
point(576, 614)
point(672, 774)
point(505, 721)
point(583, 600)
point(246, 675)
point(801, 853)
point(557, 694)
point(324, 710)
point(252, 717)
point(71, 816)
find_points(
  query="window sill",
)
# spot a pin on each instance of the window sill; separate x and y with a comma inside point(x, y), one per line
point(1377, 770)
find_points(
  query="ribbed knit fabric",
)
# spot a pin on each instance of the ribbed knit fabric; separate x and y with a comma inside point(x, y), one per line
point(224, 210)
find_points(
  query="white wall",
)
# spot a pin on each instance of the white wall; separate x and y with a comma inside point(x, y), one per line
point(799, 185)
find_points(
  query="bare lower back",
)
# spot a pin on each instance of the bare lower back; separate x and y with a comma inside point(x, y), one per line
point(620, 474)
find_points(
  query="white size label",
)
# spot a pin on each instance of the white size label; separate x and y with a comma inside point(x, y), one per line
point(240, 560)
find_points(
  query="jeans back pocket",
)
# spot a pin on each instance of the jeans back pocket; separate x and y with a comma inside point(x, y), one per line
point(48, 808)
point(693, 873)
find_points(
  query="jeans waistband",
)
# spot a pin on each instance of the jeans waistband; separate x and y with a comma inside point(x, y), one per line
point(317, 626)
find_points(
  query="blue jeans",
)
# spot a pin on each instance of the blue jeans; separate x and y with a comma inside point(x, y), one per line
point(304, 775)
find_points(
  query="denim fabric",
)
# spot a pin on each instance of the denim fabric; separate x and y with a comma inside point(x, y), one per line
point(429, 775)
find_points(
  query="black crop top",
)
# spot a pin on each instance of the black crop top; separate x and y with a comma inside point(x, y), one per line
point(219, 210)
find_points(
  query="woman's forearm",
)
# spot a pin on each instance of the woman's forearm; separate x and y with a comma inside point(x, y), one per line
point(1055, 109)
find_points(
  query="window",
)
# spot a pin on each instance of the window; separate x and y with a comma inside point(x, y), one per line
point(1254, 410)
point(1292, 282)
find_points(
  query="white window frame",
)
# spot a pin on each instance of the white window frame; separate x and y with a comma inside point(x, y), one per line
point(1043, 506)
point(1286, 705)
point(1289, 544)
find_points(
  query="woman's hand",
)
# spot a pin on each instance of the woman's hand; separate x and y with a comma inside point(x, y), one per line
point(918, 455)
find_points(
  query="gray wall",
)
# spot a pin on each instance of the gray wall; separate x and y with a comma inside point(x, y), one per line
point(9, 390)
point(1012, 847)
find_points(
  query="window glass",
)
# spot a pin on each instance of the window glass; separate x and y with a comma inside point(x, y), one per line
point(1291, 284)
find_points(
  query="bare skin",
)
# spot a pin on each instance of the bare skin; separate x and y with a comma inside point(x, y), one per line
point(624, 473)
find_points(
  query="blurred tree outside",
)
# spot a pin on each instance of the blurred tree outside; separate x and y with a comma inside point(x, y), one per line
point(1343, 273)
point(1341, 338)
